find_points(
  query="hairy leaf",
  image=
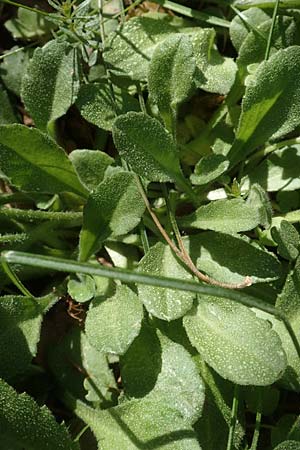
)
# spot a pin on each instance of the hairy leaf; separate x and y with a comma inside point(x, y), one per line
point(51, 82)
point(230, 259)
point(90, 166)
point(215, 73)
point(137, 39)
point(171, 72)
point(24, 424)
point(271, 105)
point(34, 162)
point(238, 345)
point(112, 324)
point(97, 106)
point(113, 209)
point(167, 304)
point(139, 424)
point(229, 216)
point(20, 323)
point(146, 145)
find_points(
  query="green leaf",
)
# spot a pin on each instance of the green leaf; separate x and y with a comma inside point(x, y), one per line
point(166, 304)
point(169, 375)
point(113, 209)
point(258, 199)
point(7, 113)
point(278, 172)
point(13, 67)
point(34, 162)
point(26, 425)
point(81, 289)
point(28, 25)
point(112, 324)
point(240, 346)
point(137, 39)
point(178, 384)
point(288, 240)
point(208, 169)
point(90, 166)
point(20, 324)
point(288, 303)
point(229, 216)
point(288, 445)
point(241, 26)
point(215, 73)
point(269, 109)
point(82, 370)
point(171, 72)
point(51, 82)
point(97, 106)
point(230, 258)
point(146, 145)
point(139, 424)
point(141, 364)
point(285, 34)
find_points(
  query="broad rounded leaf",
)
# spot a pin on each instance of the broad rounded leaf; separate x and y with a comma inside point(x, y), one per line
point(230, 258)
point(146, 145)
point(112, 324)
point(240, 346)
point(240, 27)
point(20, 324)
point(215, 73)
point(90, 166)
point(179, 385)
point(24, 424)
point(229, 216)
point(288, 445)
point(113, 209)
point(139, 424)
point(137, 39)
point(34, 162)
point(166, 304)
point(97, 106)
point(51, 82)
point(171, 71)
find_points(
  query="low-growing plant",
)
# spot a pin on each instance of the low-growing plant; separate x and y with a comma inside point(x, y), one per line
point(149, 220)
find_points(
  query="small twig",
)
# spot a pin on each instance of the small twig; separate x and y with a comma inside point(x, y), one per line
point(181, 251)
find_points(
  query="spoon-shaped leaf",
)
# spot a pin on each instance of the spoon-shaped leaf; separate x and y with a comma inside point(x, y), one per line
point(240, 346)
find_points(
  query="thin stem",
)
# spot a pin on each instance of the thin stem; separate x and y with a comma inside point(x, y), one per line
point(268, 48)
point(20, 5)
point(15, 279)
point(81, 432)
point(233, 418)
point(189, 12)
point(144, 237)
point(17, 50)
point(270, 149)
point(182, 253)
point(127, 276)
point(141, 99)
point(256, 431)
